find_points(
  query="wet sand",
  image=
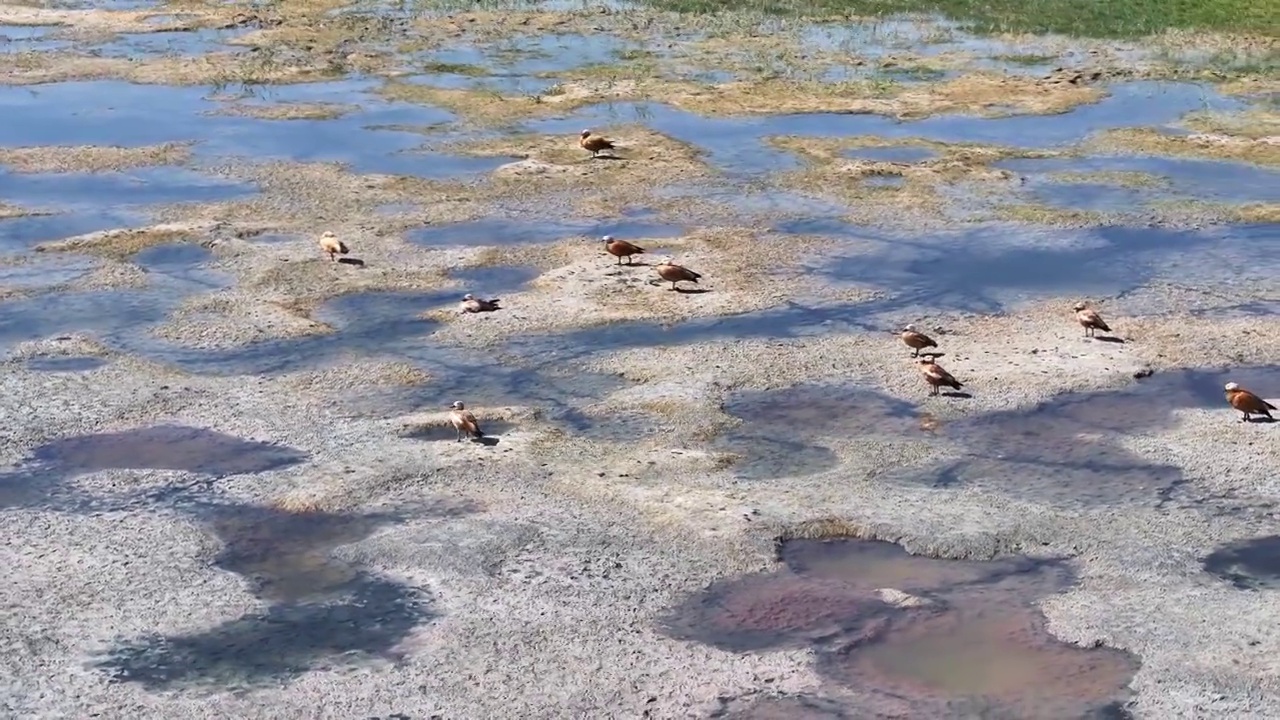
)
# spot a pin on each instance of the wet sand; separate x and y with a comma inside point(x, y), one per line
point(229, 483)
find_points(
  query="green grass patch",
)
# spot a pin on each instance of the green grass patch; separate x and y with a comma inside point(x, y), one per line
point(1081, 18)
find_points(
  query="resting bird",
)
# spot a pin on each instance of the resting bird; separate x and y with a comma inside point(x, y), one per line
point(594, 143)
point(916, 341)
point(332, 245)
point(673, 273)
point(621, 248)
point(1247, 403)
point(464, 422)
point(473, 304)
point(937, 377)
point(1090, 320)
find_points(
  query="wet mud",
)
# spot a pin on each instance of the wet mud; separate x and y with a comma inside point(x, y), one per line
point(913, 634)
point(65, 363)
point(528, 231)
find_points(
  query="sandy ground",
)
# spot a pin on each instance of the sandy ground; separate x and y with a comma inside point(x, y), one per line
point(333, 553)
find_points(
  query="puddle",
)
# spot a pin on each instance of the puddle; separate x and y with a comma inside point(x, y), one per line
point(137, 186)
point(65, 363)
point(181, 43)
point(183, 262)
point(54, 114)
point(1068, 450)
point(777, 424)
point(1203, 180)
point(18, 234)
point(362, 627)
point(41, 479)
point(495, 280)
point(31, 38)
point(107, 315)
point(994, 267)
point(734, 145)
point(509, 231)
point(44, 272)
point(913, 634)
point(892, 153)
point(1252, 564)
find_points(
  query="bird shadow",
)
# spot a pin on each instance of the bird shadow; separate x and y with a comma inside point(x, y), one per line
point(1264, 420)
point(607, 157)
point(487, 441)
point(953, 394)
point(351, 261)
point(1109, 339)
point(691, 291)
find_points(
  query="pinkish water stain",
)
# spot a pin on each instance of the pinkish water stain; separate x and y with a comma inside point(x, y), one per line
point(913, 636)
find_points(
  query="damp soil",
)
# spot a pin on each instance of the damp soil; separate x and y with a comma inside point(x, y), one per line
point(502, 231)
point(913, 634)
point(65, 363)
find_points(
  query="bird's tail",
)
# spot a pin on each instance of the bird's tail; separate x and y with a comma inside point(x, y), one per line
point(1104, 327)
point(478, 434)
point(957, 384)
point(342, 248)
point(1269, 405)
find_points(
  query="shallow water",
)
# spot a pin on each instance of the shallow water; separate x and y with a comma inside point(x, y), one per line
point(1252, 564)
point(1205, 180)
point(522, 231)
point(1067, 450)
point(42, 480)
point(121, 189)
point(65, 363)
point(971, 638)
point(783, 431)
point(734, 144)
point(534, 55)
point(360, 627)
point(993, 267)
point(54, 114)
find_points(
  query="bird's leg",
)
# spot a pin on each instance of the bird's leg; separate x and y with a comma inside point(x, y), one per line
point(916, 353)
point(628, 259)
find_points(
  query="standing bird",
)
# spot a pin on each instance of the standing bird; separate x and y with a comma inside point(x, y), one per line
point(1090, 320)
point(937, 377)
point(621, 248)
point(673, 273)
point(473, 304)
point(332, 245)
point(916, 340)
point(464, 422)
point(1247, 403)
point(594, 143)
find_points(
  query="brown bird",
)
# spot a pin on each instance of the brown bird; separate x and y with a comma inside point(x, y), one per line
point(332, 245)
point(464, 422)
point(594, 143)
point(473, 304)
point(621, 249)
point(1090, 320)
point(1247, 403)
point(673, 273)
point(937, 377)
point(917, 341)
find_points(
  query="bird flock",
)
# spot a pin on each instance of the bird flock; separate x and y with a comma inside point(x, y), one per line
point(935, 376)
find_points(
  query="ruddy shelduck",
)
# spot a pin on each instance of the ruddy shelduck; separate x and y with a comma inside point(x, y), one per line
point(937, 377)
point(595, 144)
point(621, 248)
point(1090, 320)
point(332, 245)
point(464, 422)
point(473, 304)
point(917, 341)
point(673, 273)
point(1247, 403)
